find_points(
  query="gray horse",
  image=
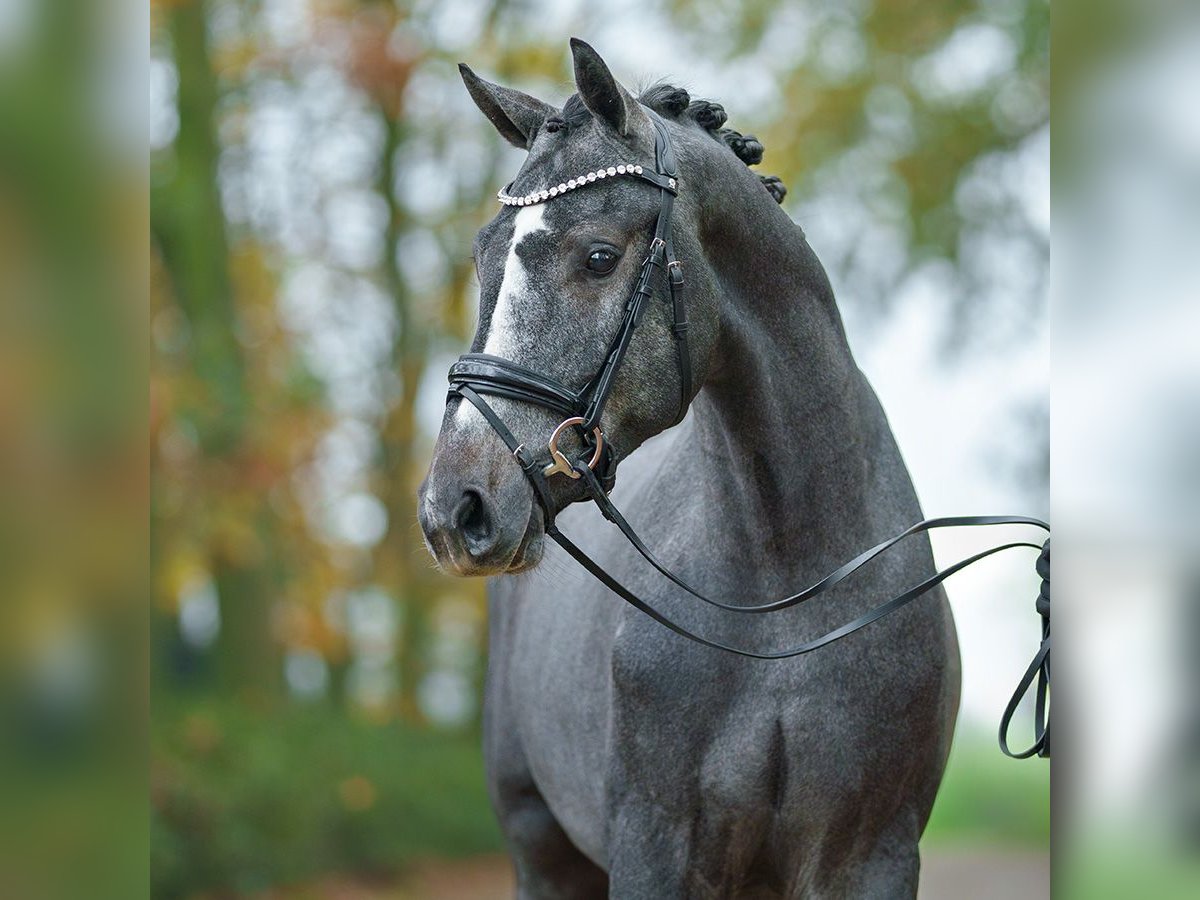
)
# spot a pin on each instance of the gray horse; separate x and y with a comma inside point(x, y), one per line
point(624, 760)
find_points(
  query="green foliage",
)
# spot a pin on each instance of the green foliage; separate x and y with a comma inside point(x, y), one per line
point(988, 798)
point(241, 802)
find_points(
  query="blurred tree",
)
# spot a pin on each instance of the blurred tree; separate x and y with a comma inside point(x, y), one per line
point(903, 120)
point(189, 227)
point(381, 60)
point(892, 120)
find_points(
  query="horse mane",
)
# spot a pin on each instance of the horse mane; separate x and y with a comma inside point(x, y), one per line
point(675, 103)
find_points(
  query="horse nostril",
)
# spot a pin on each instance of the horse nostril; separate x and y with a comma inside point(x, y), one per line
point(472, 518)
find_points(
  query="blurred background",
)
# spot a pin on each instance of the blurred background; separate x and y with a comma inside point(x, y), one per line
point(317, 173)
point(311, 173)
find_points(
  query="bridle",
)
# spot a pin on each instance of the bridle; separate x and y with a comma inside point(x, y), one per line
point(476, 375)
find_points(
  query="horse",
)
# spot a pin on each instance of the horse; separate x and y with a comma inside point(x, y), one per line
point(623, 760)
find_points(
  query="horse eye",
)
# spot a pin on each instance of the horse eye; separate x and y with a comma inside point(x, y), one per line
point(602, 261)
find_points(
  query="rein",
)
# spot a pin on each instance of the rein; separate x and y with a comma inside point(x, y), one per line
point(477, 374)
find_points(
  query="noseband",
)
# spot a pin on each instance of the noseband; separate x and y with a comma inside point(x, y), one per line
point(476, 375)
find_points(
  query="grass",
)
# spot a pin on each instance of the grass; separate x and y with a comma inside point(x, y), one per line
point(1137, 863)
point(242, 802)
point(987, 798)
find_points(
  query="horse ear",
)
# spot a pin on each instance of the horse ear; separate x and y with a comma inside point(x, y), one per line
point(516, 116)
point(600, 92)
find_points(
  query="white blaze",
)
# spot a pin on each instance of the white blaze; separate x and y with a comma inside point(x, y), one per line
point(514, 285)
point(514, 288)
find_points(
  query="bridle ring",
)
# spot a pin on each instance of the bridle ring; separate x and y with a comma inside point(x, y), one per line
point(561, 463)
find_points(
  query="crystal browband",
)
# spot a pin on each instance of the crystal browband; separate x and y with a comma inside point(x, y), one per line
point(542, 196)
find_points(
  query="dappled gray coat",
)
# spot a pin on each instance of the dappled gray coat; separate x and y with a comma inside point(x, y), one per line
point(623, 760)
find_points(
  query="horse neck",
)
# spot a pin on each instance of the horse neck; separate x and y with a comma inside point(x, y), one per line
point(785, 414)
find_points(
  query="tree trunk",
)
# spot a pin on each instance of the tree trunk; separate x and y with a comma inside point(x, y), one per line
point(397, 559)
point(195, 248)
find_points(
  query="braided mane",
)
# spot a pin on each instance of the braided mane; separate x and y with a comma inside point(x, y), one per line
point(675, 103)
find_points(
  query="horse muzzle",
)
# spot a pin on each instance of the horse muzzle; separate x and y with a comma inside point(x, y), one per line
point(480, 526)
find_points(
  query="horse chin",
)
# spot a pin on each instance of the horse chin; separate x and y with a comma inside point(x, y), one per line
point(533, 544)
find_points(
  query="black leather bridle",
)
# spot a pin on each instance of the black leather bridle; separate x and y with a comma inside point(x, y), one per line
point(476, 375)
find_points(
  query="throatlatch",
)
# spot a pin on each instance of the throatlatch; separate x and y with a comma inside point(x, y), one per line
point(475, 375)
